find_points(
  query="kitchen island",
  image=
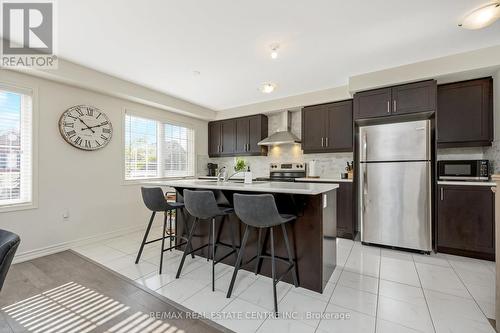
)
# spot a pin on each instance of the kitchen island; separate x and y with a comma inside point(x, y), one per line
point(312, 234)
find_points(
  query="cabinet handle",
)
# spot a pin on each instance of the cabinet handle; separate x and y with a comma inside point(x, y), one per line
point(388, 107)
point(221, 148)
point(395, 106)
point(326, 139)
point(218, 148)
point(442, 194)
point(322, 142)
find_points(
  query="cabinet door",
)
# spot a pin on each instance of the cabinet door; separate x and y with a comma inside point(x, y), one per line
point(465, 113)
point(345, 216)
point(228, 142)
point(466, 221)
point(340, 127)
point(242, 132)
point(414, 97)
point(214, 138)
point(373, 103)
point(257, 131)
point(314, 128)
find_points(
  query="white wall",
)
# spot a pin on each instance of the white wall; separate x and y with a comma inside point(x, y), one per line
point(87, 184)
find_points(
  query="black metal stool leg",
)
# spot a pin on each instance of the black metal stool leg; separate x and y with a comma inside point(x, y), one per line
point(185, 229)
point(209, 242)
point(219, 232)
point(260, 249)
point(233, 240)
point(163, 240)
point(213, 253)
point(145, 237)
point(186, 250)
point(238, 262)
point(273, 269)
point(290, 257)
point(259, 239)
point(170, 228)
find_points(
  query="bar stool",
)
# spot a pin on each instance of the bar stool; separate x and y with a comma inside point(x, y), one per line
point(203, 206)
point(260, 211)
point(154, 199)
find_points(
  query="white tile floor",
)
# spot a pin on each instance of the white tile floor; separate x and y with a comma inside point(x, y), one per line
point(371, 290)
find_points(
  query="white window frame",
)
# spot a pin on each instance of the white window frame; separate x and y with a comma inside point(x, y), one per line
point(159, 118)
point(33, 91)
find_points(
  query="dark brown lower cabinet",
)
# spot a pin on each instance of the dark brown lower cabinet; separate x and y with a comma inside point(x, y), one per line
point(346, 225)
point(466, 221)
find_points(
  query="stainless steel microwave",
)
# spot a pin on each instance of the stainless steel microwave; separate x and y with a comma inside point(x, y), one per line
point(464, 170)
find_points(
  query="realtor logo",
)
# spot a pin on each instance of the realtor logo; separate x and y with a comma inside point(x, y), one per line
point(28, 34)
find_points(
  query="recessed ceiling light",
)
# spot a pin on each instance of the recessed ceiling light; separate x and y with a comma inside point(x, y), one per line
point(268, 88)
point(482, 17)
point(274, 50)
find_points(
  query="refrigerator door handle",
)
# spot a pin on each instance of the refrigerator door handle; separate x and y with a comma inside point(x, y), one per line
point(365, 147)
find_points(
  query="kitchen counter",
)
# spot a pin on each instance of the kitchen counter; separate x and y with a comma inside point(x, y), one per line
point(323, 180)
point(313, 233)
point(257, 186)
point(451, 182)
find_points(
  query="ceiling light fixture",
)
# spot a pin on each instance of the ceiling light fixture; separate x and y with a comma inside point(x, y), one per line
point(274, 50)
point(481, 17)
point(268, 88)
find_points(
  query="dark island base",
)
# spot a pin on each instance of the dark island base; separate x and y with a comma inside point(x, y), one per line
point(312, 237)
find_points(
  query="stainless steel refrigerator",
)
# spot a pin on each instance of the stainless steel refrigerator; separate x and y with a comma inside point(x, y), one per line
point(395, 184)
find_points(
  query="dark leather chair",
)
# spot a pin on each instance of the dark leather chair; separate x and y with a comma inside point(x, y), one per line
point(8, 245)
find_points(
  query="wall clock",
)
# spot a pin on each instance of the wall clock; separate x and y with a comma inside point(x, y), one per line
point(85, 127)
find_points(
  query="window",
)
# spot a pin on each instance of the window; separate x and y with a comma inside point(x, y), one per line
point(16, 152)
point(157, 149)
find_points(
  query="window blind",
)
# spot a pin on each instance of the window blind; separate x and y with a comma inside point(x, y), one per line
point(16, 146)
point(157, 149)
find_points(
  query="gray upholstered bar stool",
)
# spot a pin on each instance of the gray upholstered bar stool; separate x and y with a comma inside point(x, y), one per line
point(154, 199)
point(260, 211)
point(203, 206)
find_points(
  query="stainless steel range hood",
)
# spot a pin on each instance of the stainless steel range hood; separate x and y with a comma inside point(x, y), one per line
point(283, 135)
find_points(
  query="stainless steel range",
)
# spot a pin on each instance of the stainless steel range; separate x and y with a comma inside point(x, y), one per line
point(285, 172)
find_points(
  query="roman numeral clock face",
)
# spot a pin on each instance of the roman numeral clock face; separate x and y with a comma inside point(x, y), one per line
point(85, 127)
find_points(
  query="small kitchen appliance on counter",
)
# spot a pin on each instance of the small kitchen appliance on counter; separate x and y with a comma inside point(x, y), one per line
point(464, 170)
point(212, 169)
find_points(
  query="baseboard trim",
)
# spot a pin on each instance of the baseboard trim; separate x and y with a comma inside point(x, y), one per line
point(44, 251)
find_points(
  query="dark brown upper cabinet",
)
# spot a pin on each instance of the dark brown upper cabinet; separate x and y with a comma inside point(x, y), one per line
point(403, 99)
point(237, 137)
point(327, 128)
point(465, 114)
point(373, 103)
point(466, 221)
point(214, 138)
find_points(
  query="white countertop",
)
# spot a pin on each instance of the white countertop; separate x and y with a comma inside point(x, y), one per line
point(451, 182)
point(267, 187)
point(323, 180)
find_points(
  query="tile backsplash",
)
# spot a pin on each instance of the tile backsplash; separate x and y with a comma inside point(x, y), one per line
point(329, 165)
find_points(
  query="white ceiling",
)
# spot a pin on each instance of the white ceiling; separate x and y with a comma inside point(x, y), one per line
point(159, 43)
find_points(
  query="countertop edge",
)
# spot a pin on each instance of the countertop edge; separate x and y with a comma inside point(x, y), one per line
point(465, 183)
point(249, 187)
point(322, 180)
